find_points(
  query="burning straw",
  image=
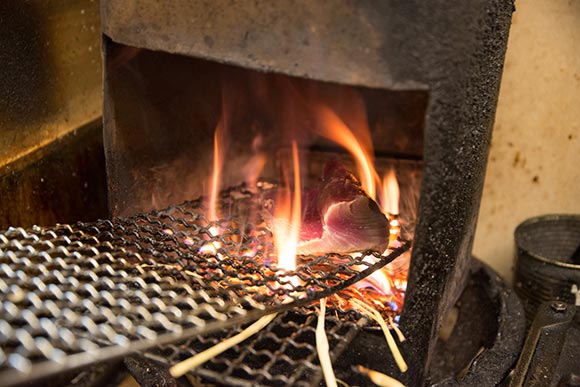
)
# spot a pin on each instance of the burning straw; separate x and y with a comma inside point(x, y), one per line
point(376, 316)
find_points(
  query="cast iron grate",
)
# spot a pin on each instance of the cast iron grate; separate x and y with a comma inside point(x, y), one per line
point(73, 295)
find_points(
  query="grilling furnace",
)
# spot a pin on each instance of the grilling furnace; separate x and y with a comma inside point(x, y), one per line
point(428, 75)
point(398, 54)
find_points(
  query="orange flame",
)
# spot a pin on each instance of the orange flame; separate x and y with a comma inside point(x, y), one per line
point(297, 110)
point(218, 162)
point(383, 280)
point(390, 193)
point(380, 281)
point(390, 197)
point(334, 128)
point(214, 189)
point(287, 218)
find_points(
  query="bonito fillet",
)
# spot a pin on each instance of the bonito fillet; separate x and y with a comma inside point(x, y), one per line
point(339, 217)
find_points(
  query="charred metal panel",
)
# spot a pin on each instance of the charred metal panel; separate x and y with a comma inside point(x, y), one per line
point(464, 56)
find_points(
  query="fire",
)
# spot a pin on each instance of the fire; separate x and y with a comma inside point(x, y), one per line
point(390, 197)
point(378, 280)
point(390, 193)
point(287, 218)
point(333, 128)
point(388, 285)
point(218, 162)
point(214, 188)
point(396, 277)
point(298, 113)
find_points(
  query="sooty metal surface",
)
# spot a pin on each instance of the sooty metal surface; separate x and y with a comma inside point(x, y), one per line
point(72, 295)
point(282, 354)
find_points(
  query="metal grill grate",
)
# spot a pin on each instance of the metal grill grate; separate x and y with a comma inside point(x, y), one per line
point(75, 295)
point(282, 354)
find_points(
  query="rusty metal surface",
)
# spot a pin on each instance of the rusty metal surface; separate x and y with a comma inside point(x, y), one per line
point(72, 295)
point(50, 83)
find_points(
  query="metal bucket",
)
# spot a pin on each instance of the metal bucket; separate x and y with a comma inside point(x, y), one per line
point(548, 261)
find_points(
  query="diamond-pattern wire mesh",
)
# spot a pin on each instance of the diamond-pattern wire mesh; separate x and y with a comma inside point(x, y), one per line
point(72, 295)
point(282, 354)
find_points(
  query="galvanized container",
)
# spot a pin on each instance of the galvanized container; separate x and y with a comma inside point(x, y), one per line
point(548, 261)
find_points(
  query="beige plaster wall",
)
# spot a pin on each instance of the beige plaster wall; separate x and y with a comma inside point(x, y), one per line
point(534, 165)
